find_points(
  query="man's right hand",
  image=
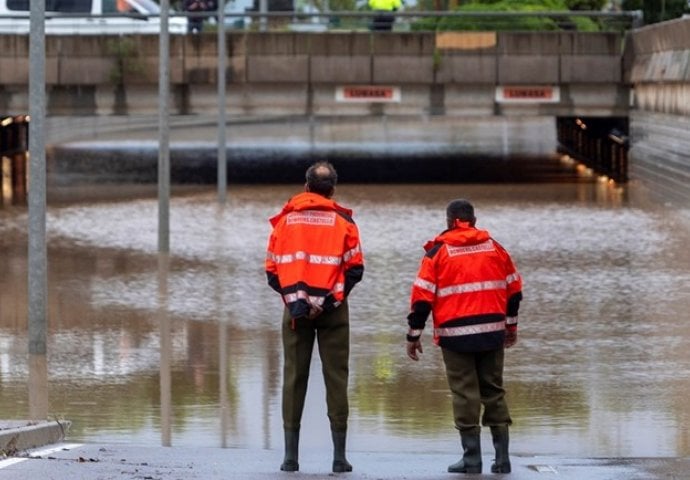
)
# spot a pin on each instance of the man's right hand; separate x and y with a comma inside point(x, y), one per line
point(413, 348)
point(314, 311)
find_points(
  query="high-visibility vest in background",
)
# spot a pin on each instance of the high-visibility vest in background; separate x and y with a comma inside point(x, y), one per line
point(385, 5)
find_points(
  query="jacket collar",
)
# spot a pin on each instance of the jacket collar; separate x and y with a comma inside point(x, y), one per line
point(309, 201)
point(460, 234)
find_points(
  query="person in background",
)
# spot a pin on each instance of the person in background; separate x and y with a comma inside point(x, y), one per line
point(469, 283)
point(313, 261)
point(123, 7)
point(196, 23)
point(384, 18)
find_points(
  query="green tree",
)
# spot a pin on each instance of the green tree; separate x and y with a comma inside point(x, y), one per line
point(592, 5)
point(499, 23)
point(657, 10)
point(631, 4)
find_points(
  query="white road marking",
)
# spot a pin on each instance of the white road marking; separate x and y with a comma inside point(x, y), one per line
point(38, 453)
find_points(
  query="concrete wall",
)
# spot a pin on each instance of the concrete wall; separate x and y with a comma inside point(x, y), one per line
point(657, 64)
point(281, 73)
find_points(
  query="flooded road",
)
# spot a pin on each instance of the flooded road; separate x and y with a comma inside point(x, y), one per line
point(187, 351)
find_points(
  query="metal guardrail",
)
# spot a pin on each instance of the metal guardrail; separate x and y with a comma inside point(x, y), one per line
point(333, 20)
point(628, 19)
point(633, 14)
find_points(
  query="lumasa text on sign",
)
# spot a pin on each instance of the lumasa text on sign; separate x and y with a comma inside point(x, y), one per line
point(367, 93)
point(527, 94)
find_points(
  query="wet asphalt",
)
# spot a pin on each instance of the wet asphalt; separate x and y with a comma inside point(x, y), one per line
point(68, 461)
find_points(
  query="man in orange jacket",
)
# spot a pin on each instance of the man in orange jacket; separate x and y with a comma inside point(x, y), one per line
point(314, 259)
point(470, 285)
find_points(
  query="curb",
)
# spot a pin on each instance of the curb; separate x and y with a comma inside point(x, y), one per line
point(23, 435)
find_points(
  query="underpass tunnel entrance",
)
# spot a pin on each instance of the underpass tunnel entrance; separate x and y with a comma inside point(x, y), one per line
point(601, 143)
point(368, 150)
point(265, 165)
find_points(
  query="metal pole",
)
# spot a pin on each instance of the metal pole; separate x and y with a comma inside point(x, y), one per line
point(164, 219)
point(263, 21)
point(164, 131)
point(37, 266)
point(222, 162)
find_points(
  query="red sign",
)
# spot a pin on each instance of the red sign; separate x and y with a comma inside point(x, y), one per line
point(367, 93)
point(383, 93)
point(543, 93)
point(528, 94)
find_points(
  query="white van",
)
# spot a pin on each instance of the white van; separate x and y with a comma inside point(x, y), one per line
point(89, 17)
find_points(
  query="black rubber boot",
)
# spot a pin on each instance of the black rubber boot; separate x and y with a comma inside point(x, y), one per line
point(290, 463)
point(340, 463)
point(502, 461)
point(471, 461)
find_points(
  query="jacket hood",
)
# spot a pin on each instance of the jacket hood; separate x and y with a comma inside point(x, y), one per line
point(309, 201)
point(461, 234)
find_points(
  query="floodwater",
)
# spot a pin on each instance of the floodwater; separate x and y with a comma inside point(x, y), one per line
point(186, 350)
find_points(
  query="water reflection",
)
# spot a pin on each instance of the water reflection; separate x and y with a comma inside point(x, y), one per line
point(193, 357)
point(13, 179)
point(38, 387)
point(165, 349)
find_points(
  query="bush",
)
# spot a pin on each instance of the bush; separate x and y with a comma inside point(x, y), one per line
point(500, 23)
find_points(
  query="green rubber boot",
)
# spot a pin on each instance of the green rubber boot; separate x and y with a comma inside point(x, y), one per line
point(290, 463)
point(502, 461)
point(340, 463)
point(471, 461)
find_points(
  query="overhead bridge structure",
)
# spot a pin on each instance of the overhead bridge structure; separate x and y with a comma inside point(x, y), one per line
point(393, 94)
point(289, 73)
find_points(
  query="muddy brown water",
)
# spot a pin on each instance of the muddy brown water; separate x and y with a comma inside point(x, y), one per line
point(190, 354)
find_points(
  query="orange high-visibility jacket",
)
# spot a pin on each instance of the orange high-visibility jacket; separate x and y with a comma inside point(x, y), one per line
point(470, 285)
point(314, 255)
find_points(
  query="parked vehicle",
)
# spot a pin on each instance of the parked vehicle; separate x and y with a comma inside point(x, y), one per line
point(89, 17)
point(234, 11)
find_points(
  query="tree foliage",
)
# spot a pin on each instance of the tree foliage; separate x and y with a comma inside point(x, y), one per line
point(500, 23)
point(657, 10)
point(594, 5)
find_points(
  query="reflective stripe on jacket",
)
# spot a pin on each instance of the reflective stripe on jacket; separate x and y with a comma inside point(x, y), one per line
point(314, 257)
point(468, 282)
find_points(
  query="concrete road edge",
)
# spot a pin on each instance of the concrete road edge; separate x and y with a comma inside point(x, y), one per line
point(16, 436)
